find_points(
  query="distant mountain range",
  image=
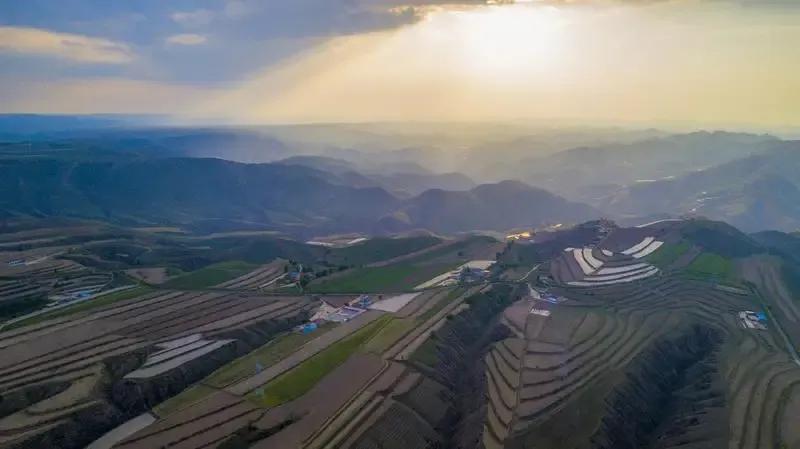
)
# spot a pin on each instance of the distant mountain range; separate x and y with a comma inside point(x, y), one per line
point(754, 193)
point(589, 173)
point(401, 179)
point(27, 126)
point(381, 178)
point(292, 198)
point(500, 206)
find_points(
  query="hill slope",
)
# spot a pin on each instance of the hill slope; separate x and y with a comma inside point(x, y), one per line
point(184, 191)
point(500, 206)
point(753, 193)
point(397, 178)
point(226, 195)
point(583, 172)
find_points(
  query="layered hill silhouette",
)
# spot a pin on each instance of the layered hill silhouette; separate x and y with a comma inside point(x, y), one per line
point(403, 180)
point(585, 172)
point(754, 193)
point(188, 191)
point(503, 205)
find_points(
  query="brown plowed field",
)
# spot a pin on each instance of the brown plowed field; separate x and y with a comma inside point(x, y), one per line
point(64, 350)
point(212, 419)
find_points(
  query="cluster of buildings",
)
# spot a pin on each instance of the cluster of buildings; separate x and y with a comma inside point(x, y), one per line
point(540, 312)
point(340, 309)
point(472, 274)
point(68, 297)
point(753, 320)
point(545, 296)
point(25, 262)
point(464, 275)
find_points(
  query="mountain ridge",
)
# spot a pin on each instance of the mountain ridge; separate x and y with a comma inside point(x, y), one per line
point(286, 197)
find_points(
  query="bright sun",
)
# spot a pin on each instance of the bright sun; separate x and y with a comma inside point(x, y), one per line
point(506, 41)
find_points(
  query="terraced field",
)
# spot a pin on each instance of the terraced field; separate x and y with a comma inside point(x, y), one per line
point(260, 278)
point(211, 275)
point(324, 408)
point(54, 375)
point(405, 272)
point(613, 343)
point(390, 278)
point(550, 380)
point(404, 405)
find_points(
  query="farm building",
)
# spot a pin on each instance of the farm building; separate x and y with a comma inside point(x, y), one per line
point(325, 310)
point(362, 302)
point(540, 312)
point(341, 308)
point(470, 275)
point(473, 268)
point(344, 314)
point(753, 320)
point(307, 328)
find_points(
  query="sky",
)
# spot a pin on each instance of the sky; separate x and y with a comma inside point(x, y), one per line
point(724, 63)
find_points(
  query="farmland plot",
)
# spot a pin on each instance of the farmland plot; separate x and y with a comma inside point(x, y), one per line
point(152, 335)
point(572, 355)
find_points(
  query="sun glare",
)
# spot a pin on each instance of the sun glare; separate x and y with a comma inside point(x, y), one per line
point(508, 41)
point(531, 61)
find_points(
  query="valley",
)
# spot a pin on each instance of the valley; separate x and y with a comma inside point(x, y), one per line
point(155, 295)
point(394, 224)
point(616, 337)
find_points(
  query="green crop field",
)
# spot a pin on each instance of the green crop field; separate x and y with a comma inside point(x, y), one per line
point(711, 265)
point(301, 379)
point(266, 355)
point(398, 327)
point(427, 353)
point(390, 333)
point(391, 278)
point(210, 275)
point(378, 249)
point(455, 293)
point(241, 368)
point(405, 275)
point(667, 254)
point(188, 396)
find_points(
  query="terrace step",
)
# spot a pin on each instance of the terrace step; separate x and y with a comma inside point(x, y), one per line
point(554, 402)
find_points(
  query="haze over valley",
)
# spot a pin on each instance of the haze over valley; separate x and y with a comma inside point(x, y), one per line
point(389, 178)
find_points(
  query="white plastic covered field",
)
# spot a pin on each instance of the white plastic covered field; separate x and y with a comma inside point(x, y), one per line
point(627, 269)
point(175, 353)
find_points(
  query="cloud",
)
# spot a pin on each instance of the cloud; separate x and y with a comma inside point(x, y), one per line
point(661, 64)
point(186, 39)
point(75, 47)
point(194, 18)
